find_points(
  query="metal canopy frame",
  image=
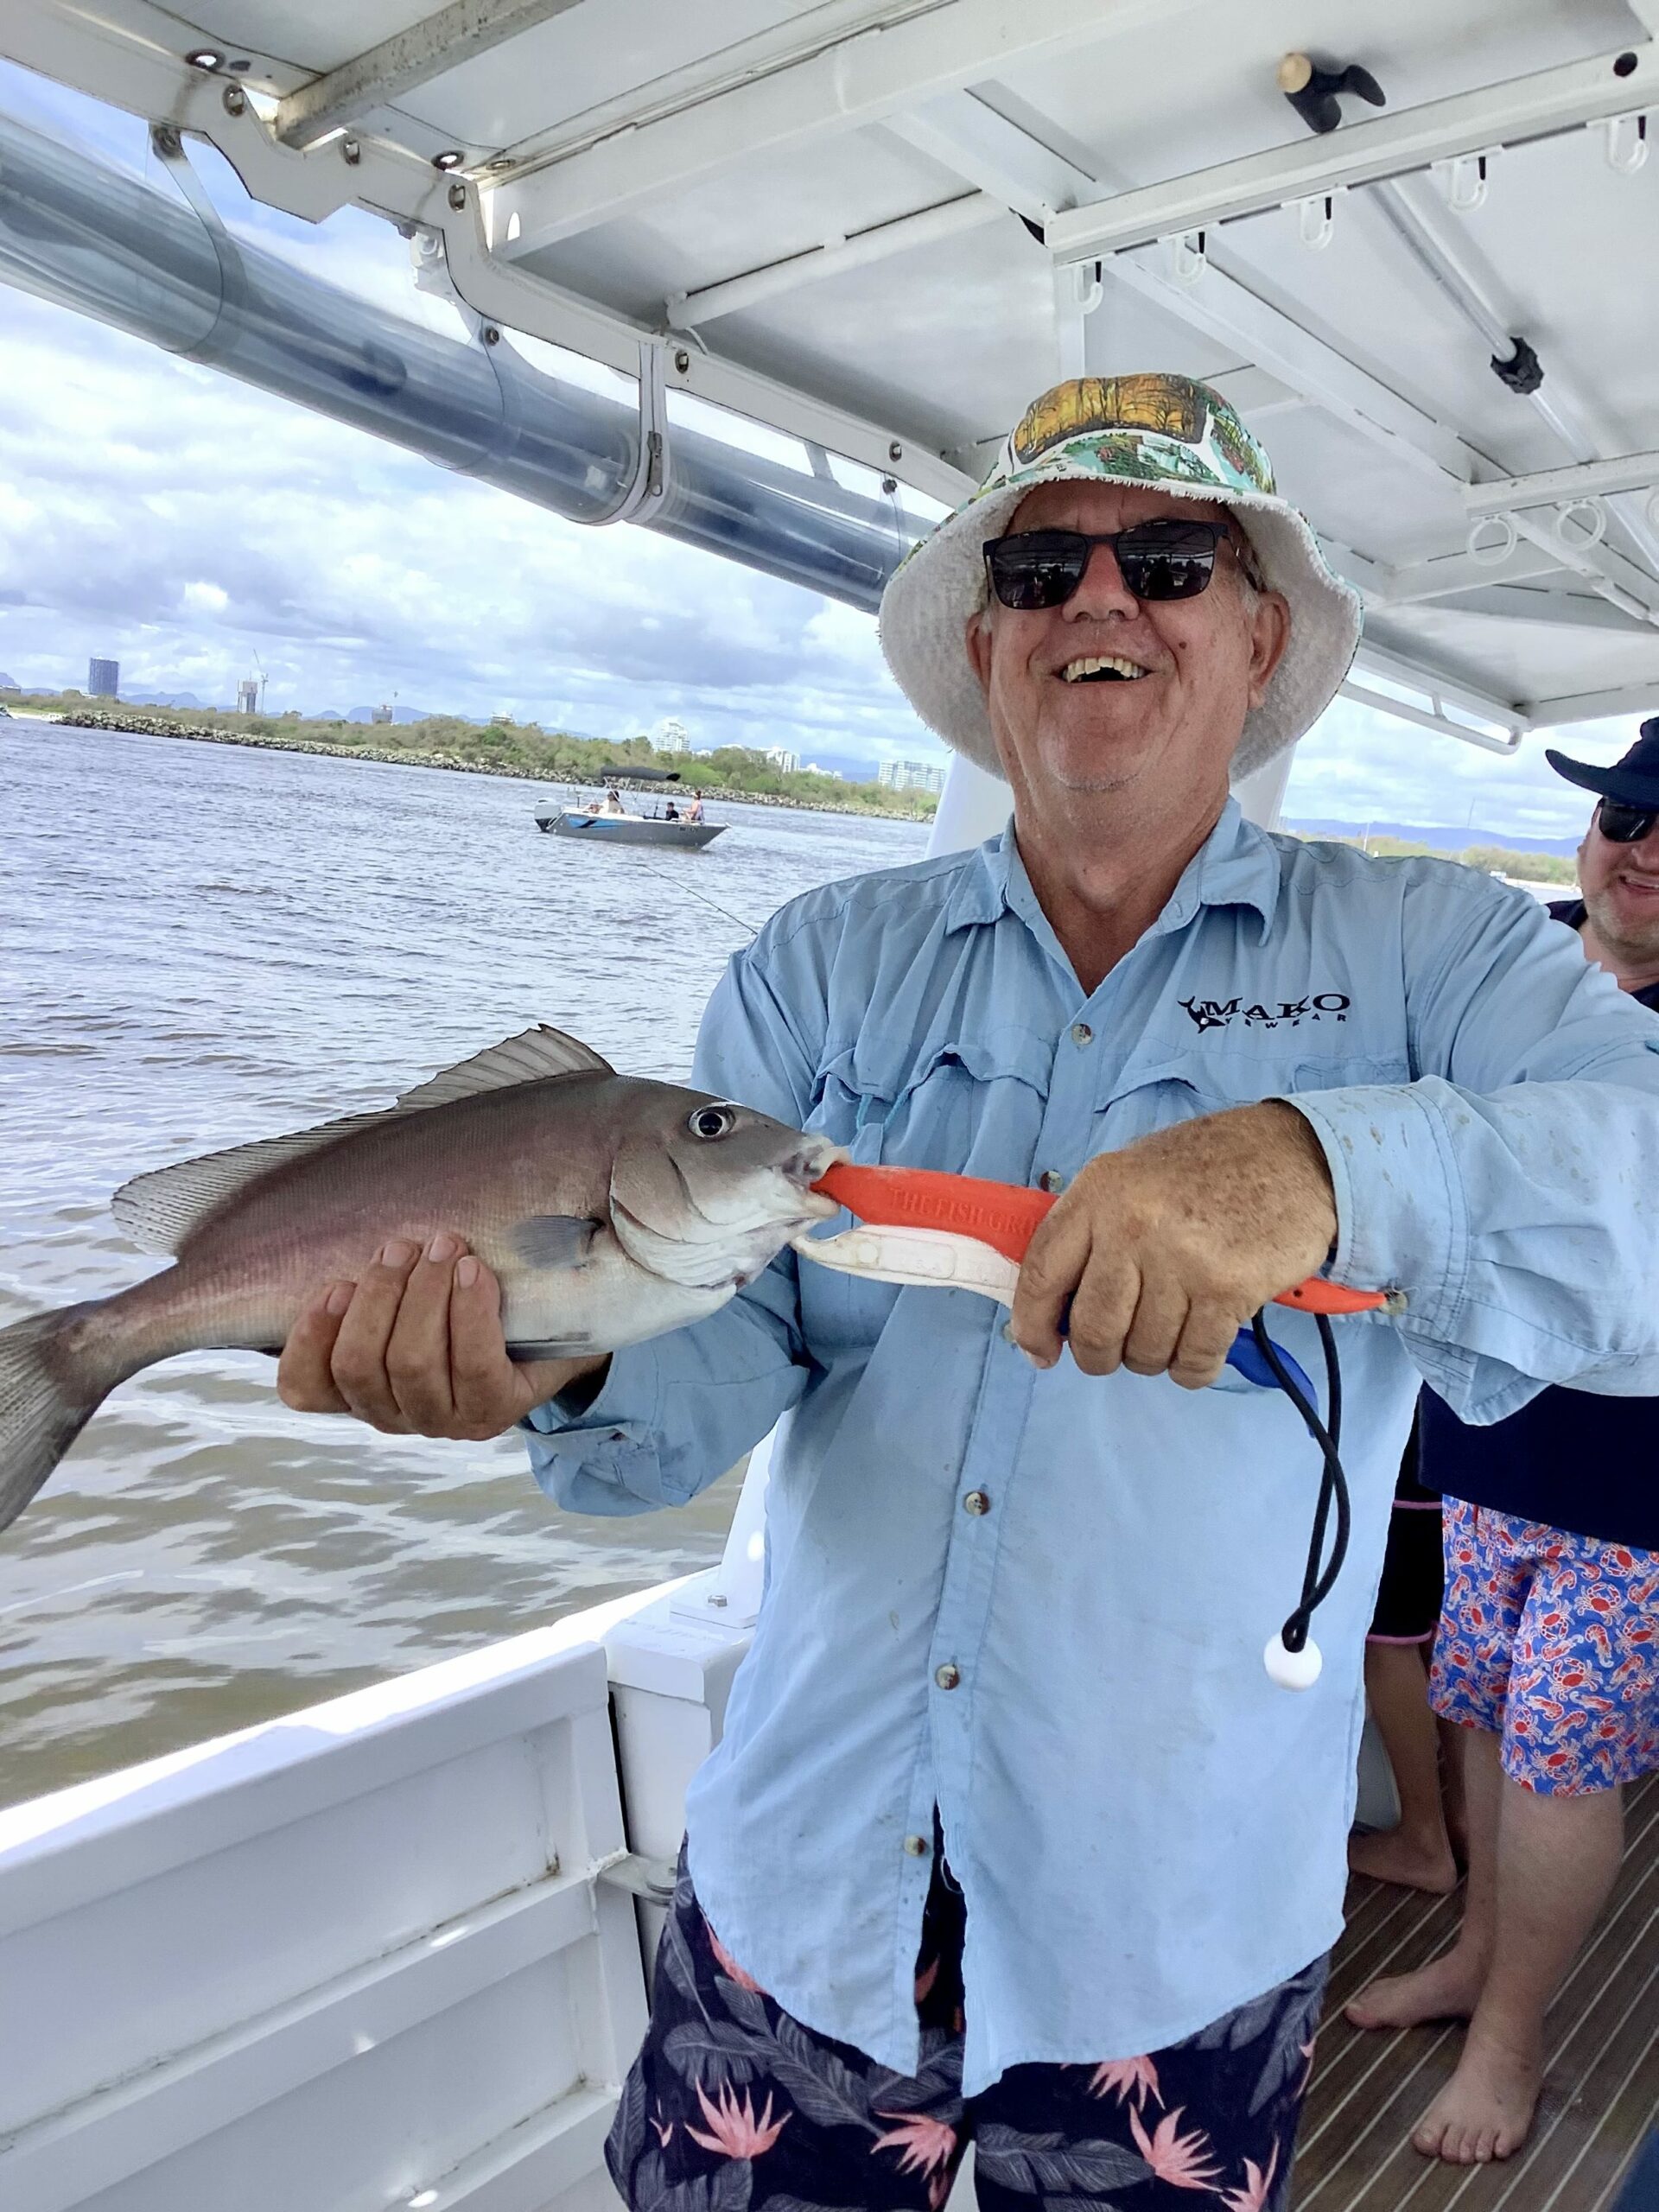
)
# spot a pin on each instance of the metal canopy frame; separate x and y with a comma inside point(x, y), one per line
point(922, 74)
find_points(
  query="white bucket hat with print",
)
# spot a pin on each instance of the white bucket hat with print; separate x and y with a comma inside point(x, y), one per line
point(1163, 433)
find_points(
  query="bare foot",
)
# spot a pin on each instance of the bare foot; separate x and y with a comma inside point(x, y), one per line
point(1390, 1855)
point(1484, 2111)
point(1448, 1988)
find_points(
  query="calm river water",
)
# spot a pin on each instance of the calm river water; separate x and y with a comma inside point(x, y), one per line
point(200, 944)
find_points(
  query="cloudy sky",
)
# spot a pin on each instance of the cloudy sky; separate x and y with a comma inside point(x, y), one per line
point(198, 531)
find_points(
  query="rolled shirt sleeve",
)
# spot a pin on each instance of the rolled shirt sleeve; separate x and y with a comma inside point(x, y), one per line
point(675, 1413)
point(1509, 1190)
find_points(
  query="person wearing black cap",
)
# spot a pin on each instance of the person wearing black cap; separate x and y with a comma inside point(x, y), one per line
point(1548, 1655)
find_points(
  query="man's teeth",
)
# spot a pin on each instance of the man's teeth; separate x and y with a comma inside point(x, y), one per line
point(1080, 671)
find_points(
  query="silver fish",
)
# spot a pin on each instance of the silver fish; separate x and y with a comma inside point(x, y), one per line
point(611, 1208)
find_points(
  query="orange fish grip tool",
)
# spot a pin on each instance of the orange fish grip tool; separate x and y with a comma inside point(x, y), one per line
point(1003, 1216)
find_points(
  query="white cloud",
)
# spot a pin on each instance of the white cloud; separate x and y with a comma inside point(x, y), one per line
point(200, 598)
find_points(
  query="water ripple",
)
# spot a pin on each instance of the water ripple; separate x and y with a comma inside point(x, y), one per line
point(255, 942)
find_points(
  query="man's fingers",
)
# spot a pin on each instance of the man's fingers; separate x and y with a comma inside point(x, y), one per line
point(359, 1358)
point(1103, 1311)
point(1051, 1270)
point(303, 1379)
point(1160, 1314)
point(491, 1393)
point(1205, 1342)
point(417, 1351)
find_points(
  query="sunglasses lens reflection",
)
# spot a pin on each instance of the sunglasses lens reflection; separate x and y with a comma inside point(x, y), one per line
point(1625, 825)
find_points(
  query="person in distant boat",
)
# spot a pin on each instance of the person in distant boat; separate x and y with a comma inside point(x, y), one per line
point(693, 812)
point(1548, 1657)
point(671, 812)
point(592, 807)
point(1009, 1837)
point(613, 800)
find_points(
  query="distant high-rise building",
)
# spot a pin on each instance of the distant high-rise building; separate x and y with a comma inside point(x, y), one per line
point(104, 679)
point(781, 757)
point(247, 695)
point(381, 713)
point(672, 737)
point(911, 776)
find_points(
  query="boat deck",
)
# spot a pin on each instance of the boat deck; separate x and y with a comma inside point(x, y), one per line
point(1601, 2094)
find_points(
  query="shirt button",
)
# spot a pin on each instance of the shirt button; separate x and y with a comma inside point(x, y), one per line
point(976, 1502)
point(916, 1846)
point(1082, 1033)
point(1052, 1179)
point(947, 1676)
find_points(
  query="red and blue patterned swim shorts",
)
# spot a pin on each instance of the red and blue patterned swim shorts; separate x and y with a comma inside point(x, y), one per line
point(1550, 1641)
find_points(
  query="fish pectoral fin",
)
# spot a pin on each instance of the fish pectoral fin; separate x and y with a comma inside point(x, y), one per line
point(554, 1240)
point(531, 1056)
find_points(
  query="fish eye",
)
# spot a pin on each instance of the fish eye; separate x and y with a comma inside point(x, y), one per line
point(712, 1122)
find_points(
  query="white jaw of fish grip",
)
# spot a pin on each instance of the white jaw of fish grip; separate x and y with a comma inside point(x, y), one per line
point(915, 1257)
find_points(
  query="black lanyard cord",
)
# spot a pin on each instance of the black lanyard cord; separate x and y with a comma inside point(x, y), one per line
point(1334, 1484)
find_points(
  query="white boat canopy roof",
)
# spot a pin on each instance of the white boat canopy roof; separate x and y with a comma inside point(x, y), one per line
point(879, 227)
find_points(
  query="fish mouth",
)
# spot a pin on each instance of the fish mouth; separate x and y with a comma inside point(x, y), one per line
point(807, 1170)
point(1103, 668)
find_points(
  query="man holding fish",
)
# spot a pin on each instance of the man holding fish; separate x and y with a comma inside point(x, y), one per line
point(1009, 1837)
point(1004, 1736)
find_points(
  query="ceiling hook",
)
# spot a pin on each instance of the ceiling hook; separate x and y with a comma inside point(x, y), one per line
point(1315, 217)
point(1463, 181)
point(1487, 552)
point(1187, 262)
point(1626, 146)
point(1088, 286)
point(1594, 529)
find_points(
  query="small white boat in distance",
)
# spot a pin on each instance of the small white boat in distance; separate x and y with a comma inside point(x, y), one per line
point(607, 822)
point(601, 828)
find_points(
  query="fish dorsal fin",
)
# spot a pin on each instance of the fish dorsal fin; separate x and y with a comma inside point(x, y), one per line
point(160, 1209)
point(529, 1057)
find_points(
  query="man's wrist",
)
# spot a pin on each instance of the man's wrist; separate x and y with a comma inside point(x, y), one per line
point(578, 1395)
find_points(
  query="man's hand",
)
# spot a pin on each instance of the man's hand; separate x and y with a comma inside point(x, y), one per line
point(1167, 1248)
point(415, 1348)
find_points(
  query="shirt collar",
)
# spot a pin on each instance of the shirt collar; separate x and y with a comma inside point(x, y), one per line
point(1237, 865)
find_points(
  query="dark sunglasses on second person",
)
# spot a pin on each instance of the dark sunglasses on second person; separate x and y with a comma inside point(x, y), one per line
point(1164, 559)
point(1625, 825)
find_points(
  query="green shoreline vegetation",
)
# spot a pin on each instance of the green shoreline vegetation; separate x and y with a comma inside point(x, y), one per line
point(499, 749)
point(526, 750)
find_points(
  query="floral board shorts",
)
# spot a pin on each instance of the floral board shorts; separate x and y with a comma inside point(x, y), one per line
point(733, 2106)
point(1551, 1642)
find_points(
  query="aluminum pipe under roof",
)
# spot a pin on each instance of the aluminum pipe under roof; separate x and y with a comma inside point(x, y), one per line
point(75, 231)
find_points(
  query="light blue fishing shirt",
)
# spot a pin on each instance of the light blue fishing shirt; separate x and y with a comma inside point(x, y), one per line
point(1039, 1600)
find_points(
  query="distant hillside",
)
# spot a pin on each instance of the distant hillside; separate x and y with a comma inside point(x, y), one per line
point(1438, 840)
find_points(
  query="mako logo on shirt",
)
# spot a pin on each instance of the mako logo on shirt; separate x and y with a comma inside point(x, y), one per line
point(1220, 1014)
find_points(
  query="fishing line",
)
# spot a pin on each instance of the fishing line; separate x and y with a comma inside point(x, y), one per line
point(663, 876)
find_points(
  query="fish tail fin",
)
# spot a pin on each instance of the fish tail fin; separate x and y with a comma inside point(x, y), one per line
point(54, 1374)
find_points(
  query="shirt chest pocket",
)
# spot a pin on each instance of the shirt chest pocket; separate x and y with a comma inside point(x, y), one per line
point(1181, 1082)
point(967, 1106)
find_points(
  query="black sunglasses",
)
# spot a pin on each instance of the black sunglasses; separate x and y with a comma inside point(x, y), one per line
point(1166, 559)
point(1625, 825)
